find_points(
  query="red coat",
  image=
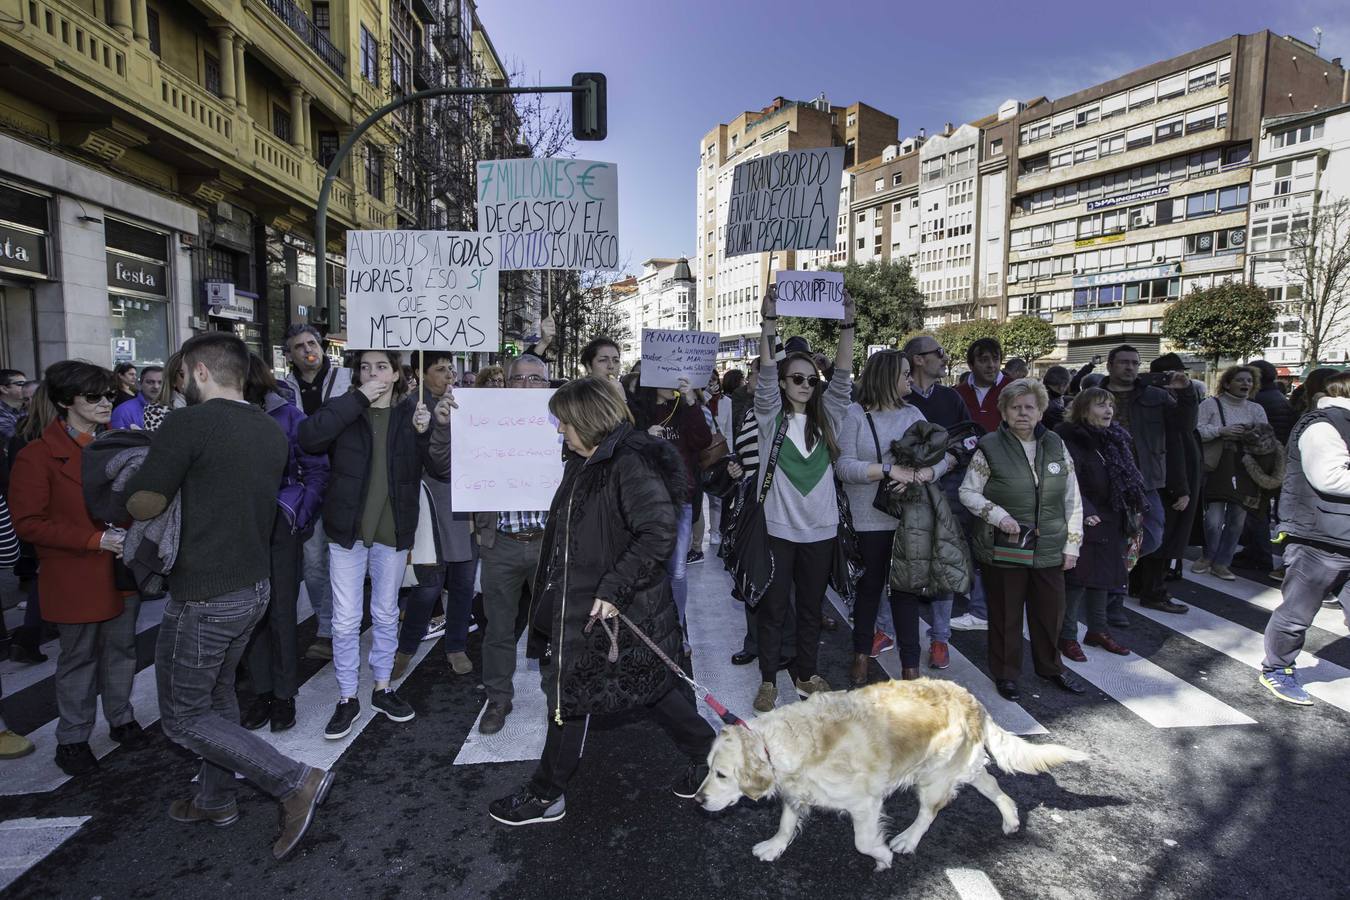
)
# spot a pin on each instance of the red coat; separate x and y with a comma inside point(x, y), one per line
point(46, 500)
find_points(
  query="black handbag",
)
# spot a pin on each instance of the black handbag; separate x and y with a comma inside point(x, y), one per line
point(886, 487)
point(750, 557)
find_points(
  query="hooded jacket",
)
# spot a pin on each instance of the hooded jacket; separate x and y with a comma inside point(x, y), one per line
point(306, 477)
point(930, 555)
point(611, 529)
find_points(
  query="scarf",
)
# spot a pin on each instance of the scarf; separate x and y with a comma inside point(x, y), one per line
point(1117, 450)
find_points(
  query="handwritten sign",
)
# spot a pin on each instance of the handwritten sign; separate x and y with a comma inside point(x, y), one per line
point(422, 290)
point(668, 356)
point(505, 450)
point(785, 201)
point(810, 295)
point(551, 213)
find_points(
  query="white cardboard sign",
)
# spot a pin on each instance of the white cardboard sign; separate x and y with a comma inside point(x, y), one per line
point(810, 295)
point(785, 201)
point(551, 213)
point(668, 356)
point(422, 290)
point(505, 450)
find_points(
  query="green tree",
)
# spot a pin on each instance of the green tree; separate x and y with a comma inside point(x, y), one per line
point(1228, 320)
point(889, 304)
point(1029, 337)
point(956, 337)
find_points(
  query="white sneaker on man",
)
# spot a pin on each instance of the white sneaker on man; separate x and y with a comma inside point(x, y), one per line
point(969, 622)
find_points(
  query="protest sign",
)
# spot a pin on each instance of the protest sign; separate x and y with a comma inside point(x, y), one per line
point(551, 213)
point(810, 295)
point(422, 290)
point(668, 356)
point(785, 201)
point(505, 450)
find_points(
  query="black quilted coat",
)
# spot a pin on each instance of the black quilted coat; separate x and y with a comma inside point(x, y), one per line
point(611, 530)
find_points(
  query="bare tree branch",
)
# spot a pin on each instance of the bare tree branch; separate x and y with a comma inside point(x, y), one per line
point(1319, 263)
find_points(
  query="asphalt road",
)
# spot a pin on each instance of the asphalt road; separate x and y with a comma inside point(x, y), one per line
point(1200, 785)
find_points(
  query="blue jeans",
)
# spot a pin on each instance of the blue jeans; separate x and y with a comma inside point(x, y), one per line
point(347, 571)
point(198, 649)
point(940, 618)
point(1223, 527)
point(679, 559)
point(976, 604)
point(317, 585)
point(456, 578)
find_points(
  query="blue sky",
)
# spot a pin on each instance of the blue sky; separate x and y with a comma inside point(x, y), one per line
point(677, 69)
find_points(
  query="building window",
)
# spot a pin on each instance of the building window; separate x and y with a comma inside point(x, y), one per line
point(327, 147)
point(281, 123)
point(878, 185)
point(323, 20)
point(996, 147)
point(211, 73)
point(152, 28)
point(1295, 136)
point(896, 179)
point(370, 57)
point(375, 172)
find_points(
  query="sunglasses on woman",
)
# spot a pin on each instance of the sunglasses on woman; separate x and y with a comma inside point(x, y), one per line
point(799, 379)
point(95, 399)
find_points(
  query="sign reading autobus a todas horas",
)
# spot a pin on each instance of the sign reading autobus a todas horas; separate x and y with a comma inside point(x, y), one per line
point(422, 290)
point(551, 213)
point(668, 356)
point(785, 201)
point(810, 295)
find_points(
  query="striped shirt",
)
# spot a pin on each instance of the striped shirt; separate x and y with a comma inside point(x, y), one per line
point(518, 522)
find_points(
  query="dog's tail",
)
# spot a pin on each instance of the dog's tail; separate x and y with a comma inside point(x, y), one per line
point(1012, 754)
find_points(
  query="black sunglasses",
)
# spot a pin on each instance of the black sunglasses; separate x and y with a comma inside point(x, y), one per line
point(799, 379)
point(94, 399)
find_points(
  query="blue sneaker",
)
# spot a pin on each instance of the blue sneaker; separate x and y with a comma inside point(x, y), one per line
point(1283, 683)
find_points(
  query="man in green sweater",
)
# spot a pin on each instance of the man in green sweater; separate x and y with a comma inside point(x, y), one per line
point(224, 459)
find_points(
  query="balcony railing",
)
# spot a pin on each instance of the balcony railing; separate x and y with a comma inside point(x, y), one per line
point(299, 22)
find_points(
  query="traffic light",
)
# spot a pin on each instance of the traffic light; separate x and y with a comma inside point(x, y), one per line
point(588, 107)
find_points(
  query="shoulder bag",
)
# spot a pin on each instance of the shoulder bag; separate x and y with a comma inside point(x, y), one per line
point(750, 557)
point(882, 500)
point(1214, 449)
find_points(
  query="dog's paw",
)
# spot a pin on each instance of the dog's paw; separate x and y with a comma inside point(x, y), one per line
point(883, 858)
point(1010, 826)
point(769, 850)
point(904, 842)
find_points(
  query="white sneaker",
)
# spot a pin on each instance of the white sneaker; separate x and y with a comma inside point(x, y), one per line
point(969, 622)
point(435, 628)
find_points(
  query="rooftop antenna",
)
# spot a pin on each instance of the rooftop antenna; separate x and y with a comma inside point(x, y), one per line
point(1317, 31)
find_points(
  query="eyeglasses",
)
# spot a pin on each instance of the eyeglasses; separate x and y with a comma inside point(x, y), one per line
point(528, 379)
point(799, 379)
point(95, 399)
point(939, 352)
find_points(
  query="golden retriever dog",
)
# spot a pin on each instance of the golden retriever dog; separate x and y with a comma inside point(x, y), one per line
point(850, 751)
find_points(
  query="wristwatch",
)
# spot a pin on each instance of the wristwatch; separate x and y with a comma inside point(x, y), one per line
point(885, 471)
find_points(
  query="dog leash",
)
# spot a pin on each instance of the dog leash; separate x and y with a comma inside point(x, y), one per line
point(727, 716)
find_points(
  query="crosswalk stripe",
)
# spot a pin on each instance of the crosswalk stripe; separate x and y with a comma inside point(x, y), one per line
point(1321, 678)
point(26, 842)
point(1269, 599)
point(18, 676)
point(522, 737)
point(1151, 692)
point(972, 884)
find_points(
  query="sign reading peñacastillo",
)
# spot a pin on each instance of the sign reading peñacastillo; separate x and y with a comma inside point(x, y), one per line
point(422, 290)
point(551, 213)
point(785, 201)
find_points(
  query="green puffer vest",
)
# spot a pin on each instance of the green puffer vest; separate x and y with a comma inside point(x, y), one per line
point(1012, 487)
point(929, 555)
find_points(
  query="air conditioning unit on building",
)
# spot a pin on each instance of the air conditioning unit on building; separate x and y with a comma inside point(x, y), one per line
point(1012, 279)
point(1158, 259)
point(1078, 271)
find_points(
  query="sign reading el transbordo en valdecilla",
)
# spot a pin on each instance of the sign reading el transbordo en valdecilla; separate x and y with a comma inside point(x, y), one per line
point(551, 213)
point(422, 290)
point(785, 201)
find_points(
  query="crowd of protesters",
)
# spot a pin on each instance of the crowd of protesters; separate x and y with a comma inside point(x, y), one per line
point(1001, 503)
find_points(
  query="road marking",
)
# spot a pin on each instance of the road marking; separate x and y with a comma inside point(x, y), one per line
point(18, 676)
point(972, 884)
point(522, 737)
point(1324, 680)
point(26, 842)
point(1269, 599)
point(1151, 692)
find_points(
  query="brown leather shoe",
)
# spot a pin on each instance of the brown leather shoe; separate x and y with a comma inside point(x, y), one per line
point(910, 674)
point(297, 810)
point(857, 673)
point(1104, 640)
point(186, 810)
point(1072, 651)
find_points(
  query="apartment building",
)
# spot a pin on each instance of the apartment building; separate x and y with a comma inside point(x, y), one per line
point(663, 296)
point(729, 288)
point(1302, 165)
point(1130, 193)
point(880, 219)
point(161, 162)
